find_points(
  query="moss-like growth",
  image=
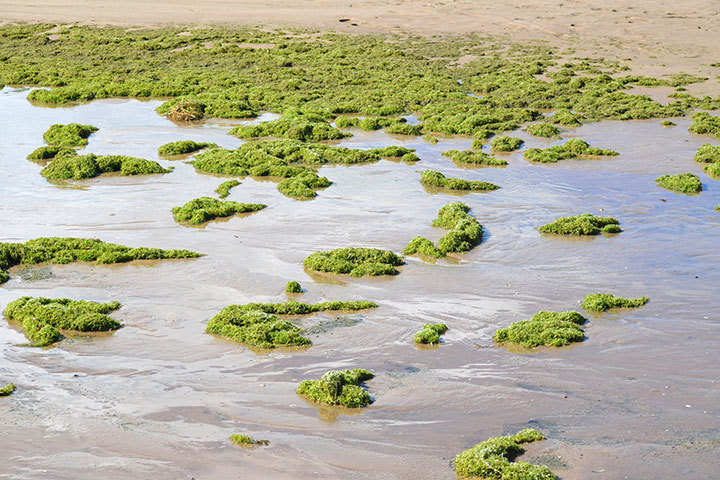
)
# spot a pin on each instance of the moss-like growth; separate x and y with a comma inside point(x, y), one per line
point(430, 139)
point(245, 441)
point(7, 390)
point(430, 333)
point(292, 125)
point(404, 129)
point(494, 459)
point(392, 151)
point(433, 178)
point(204, 209)
point(59, 250)
point(223, 190)
point(713, 170)
point(555, 329)
point(51, 151)
point(708, 154)
point(88, 166)
point(465, 232)
point(681, 183)
point(338, 387)
point(182, 109)
point(544, 130)
point(182, 147)
point(257, 324)
point(668, 123)
point(357, 262)
point(573, 148)
point(468, 157)
point(43, 318)
point(704, 123)
point(601, 302)
point(584, 224)
point(565, 117)
point(506, 144)
point(70, 135)
point(293, 287)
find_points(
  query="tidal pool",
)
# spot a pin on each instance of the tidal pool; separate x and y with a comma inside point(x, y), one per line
point(159, 398)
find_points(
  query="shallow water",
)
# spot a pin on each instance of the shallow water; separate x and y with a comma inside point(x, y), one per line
point(158, 398)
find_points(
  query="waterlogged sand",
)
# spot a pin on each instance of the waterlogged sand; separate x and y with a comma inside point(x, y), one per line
point(158, 398)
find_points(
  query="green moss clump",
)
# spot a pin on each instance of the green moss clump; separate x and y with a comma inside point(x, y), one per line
point(303, 186)
point(555, 329)
point(680, 183)
point(468, 157)
point(338, 387)
point(506, 144)
point(668, 123)
point(430, 139)
point(433, 178)
point(601, 302)
point(543, 130)
point(245, 441)
point(293, 287)
point(430, 333)
point(7, 390)
point(704, 123)
point(293, 125)
point(346, 122)
point(88, 166)
point(357, 262)
point(708, 154)
point(400, 128)
point(584, 224)
point(223, 190)
point(465, 232)
point(182, 147)
point(565, 117)
point(40, 334)
point(58, 250)
point(204, 209)
point(573, 148)
point(494, 459)
point(712, 169)
point(70, 135)
point(50, 152)
point(182, 109)
point(393, 151)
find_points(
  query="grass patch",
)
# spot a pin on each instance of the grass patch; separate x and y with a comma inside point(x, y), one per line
point(223, 190)
point(584, 224)
point(82, 167)
point(433, 178)
point(430, 333)
point(245, 441)
point(687, 183)
point(338, 387)
point(182, 147)
point(468, 157)
point(601, 302)
point(204, 209)
point(554, 329)
point(544, 130)
point(573, 148)
point(293, 287)
point(506, 144)
point(708, 154)
point(7, 390)
point(356, 262)
point(70, 135)
point(465, 232)
point(705, 124)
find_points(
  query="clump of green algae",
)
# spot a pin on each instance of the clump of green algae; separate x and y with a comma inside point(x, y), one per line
point(468, 157)
point(50, 151)
point(182, 147)
point(554, 329)
point(506, 144)
point(338, 387)
point(357, 262)
point(70, 135)
point(708, 154)
point(80, 167)
point(543, 130)
point(465, 232)
point(7, 390)
point(430, 333)
point(293, 125)
point(704, 123)
point(584, 224)
point(203, 209)
point(293, 287)
point(573, 148)
point(246, 441)
point(687, 183)
point(223, 190)
point(601, 302)
point(433, 178)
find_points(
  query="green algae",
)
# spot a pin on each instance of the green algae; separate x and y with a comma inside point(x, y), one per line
point(430, 139)
point(51, 151)
point(506, 144)
point(338, 388)
point(584, 224)
point(399, 128)
point(182, 147)
point(566, 118)
point(573, 148)
point(246, 441)
point(70, 135)
point(206, 104)
point(204, 209)
point(59, 250)
point(433, 178)
point(544, 130)
point(601, 302)
point(494, 459)
point(223, 190)
point(293, 287)
point(705, 124)
point(712, 169)
point(555, 329)
point(468, 157)
point(7, 390)
point(687, 183)
point(430, 333)
point(182, 109)
point(293, 126)
point(464, 233)
point(356, 262)
point(668, 123)
point(82, 167)
point(708, 154)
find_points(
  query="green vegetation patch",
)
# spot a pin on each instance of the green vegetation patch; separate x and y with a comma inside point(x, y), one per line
point(182, 147)
point(555, 329)
point(294, 126)
point(681, 183)
point(704, 123)
point(430, 333)
point(257, 324)
point(506, 144)
point(544, 130)
point(7, 390)
point(51, 151)
point(713, 169)
point(468, 157)
point(293, 287)
point(246, 441)
point(58, 250)
point(433, 178)
point(204, 209)
point(70, 135)
point(494, 459)
point(584, 224)
point(357, 262)
point(565, 117)
point(708, 154)
point(601, 302)
point(573, 148)
point(465, 232)
point(668, 123)
point(338, 387)
point(81, 167)
point(223, 190)
point(43, 318)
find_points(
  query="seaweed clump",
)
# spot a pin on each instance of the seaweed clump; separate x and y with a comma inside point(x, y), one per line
point(204, 209)
point(294, 126)
point(573, 148)
point(704, 123)
point(465, 232)
point(708, 154)
point(49, 152)
point(357, 262)
point(601, 302)
point(70, 135)
point(506, 144)
point(182, 109)
point(182, 147)
point(433, 178)
point(338, 387)
point(430, 333)
point(246, 441)
point(681, 183)
point(81, 167)
point(494, 459)
point(7, 390)
point(544, 130)
point(223, 190)
point(293, 287)
point(468, 157)
point(59, 250)
point(555, 329)
point(43, 318)
point(584, 224)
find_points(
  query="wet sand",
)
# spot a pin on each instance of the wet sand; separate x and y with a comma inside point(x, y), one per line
point(158, 398)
